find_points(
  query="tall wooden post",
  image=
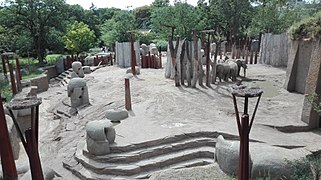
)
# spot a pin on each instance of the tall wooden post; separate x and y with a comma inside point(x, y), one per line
point(7, 161)
point(132, 50)
point(128, 103)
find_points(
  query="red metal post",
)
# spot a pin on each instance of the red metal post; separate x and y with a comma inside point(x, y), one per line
point(7, 161)
point(12, 80)
point(128, 103)
point(133, 56)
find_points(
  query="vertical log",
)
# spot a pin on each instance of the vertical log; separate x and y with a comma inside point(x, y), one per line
point(183, 64)
point(246, 54)
point(196, 70)
point(251, 57)
point(173, 52)
point(128, 103)
point(188, 65)
point(133, 56)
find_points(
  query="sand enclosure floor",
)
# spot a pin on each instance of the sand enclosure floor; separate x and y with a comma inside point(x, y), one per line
point(160, 110)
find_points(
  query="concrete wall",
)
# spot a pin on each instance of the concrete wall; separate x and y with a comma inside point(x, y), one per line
point(122, 51)
point(304, 76)
point(274, 49)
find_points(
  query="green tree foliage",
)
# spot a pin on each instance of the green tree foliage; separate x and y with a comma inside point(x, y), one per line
point(36, 18)
point(142, 17)
point(79, 37)
point(181, 17)
point(229, 17)
point(277, 16)
point(116, 29)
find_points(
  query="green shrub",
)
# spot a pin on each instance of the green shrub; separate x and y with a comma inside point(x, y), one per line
point(51, 59)
point(315, 101)
point(308, 28)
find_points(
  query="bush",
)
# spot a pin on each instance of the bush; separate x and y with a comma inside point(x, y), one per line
point(308, 28)
point(53, 58)
point(315, 101)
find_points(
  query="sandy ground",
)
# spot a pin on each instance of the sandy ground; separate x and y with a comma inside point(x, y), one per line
point(160, 109)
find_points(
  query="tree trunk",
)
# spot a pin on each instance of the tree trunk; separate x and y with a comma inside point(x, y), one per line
point(183, 64)
point(173, 56)
point(189, 65)
point(195, 72)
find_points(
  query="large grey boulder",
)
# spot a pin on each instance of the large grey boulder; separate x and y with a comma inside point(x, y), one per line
point(100, 134)
point(273, 162)
point(116, 115)
point(227, 155)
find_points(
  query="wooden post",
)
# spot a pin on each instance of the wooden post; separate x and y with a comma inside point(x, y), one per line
point(183, 68)
point(196, 70)
point(149, 61)
point(173, 52)
point(255, 58)
point(160, 59)
point(246, 54)
point(7, 160)
point(133, 56)
point(12, 80)
point(128, 103)
point(111, 59)
point(251, 57)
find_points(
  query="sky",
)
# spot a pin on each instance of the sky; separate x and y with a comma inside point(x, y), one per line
point(121, 4)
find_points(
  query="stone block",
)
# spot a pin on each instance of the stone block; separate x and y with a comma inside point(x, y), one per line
point(86, 69)
point(77, 70)
point(78, 92)
point(33, 91)
point(41, 82)
point(116, 115)
point(100, 134)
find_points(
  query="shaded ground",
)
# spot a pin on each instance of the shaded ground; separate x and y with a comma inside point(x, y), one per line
point(160, 110)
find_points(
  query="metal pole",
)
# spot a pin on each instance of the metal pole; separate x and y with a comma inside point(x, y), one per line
point(128, 104)
point(7, 160)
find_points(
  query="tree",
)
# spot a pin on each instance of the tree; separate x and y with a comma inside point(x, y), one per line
point(160, 3)
point(79, 37)
point(142, 17)
point(181, 17)
point(36, 17)
point(277, 16)
point(116, 29)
